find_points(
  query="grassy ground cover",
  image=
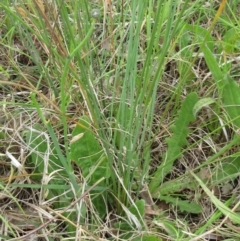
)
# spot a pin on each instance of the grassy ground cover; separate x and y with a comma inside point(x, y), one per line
point(119, 120)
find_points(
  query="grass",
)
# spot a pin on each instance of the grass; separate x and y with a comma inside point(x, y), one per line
point(119, 120)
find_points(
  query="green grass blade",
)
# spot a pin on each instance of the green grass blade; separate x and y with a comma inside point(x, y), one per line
point(220, 205)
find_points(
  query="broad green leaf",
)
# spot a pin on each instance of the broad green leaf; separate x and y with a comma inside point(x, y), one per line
point(146, 237)
point(227, 171)
point(170, 227)
point(173, 186)
point(213, 65)
point(202, 103)
point(184, 206)
point(231, 40)
point(139, 212)
point(87, 153)
point(176, 142)
point(231, 100)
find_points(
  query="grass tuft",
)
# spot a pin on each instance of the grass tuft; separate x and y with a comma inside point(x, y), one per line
point(119, 120)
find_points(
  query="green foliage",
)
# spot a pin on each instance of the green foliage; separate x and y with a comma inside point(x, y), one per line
point(186, 50)
point(146, 237)
point(201, 35)
point(228, 89)
point(184, 206)
point(231, 100)
point(87, 153)
point(227, 171)
point(169, 227)
point(175, 144)
point(123, 53)
point(44, 159)
point(231, 40)
point(172, 230)
point(177, 141)
point(213, 65)
point(138, 209)
point(220, 205)
point(202, 103)
point(135, 215)
point(219, 176)
point(49, 169)
point(214, 217)
point(172, 186)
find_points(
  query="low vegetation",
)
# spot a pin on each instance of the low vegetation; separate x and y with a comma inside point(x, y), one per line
point(119, 120)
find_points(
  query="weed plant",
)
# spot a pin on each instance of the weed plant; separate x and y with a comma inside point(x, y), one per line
point(120, 120)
